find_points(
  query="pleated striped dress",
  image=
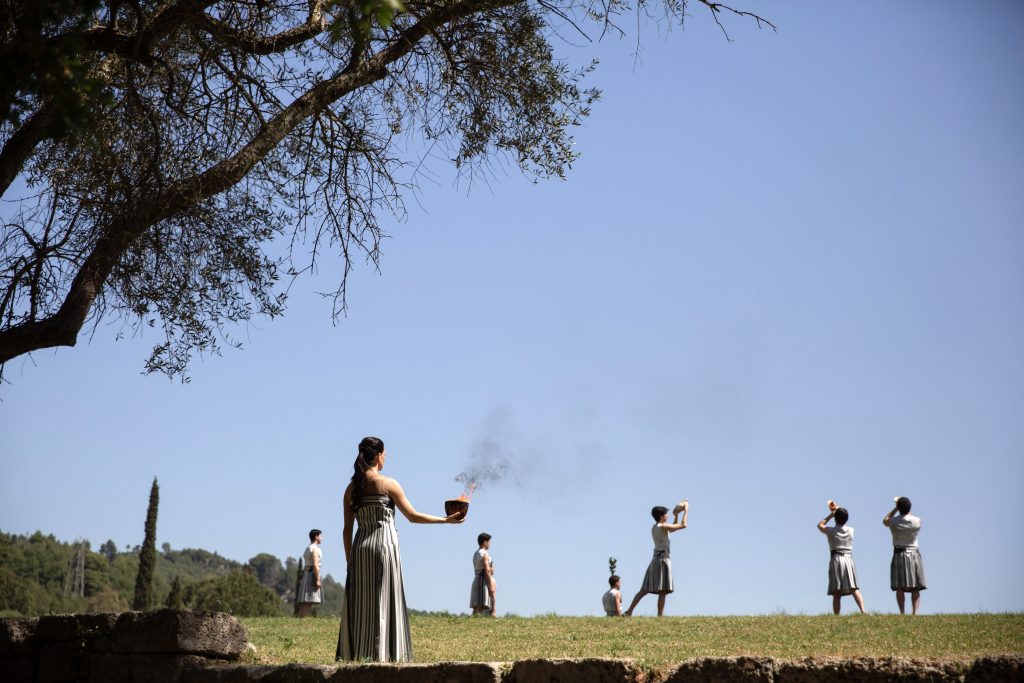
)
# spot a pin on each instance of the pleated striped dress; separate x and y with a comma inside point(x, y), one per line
point(374, 622)
point(842, 574)
point(906, 571)
point(658, 578)
point(480, 592)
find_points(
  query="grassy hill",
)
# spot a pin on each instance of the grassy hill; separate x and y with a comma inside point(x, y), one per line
point(37, 577)
point(655, 642)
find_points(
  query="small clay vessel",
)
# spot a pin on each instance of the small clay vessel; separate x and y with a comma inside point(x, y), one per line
point(454, 505)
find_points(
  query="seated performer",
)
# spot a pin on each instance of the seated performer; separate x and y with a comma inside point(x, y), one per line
point(612, 599)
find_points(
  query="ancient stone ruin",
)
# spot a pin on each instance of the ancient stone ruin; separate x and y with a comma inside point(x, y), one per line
point(206, 647)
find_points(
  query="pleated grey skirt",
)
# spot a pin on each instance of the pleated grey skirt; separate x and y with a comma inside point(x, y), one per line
point(907, 570)
point(842, 574)
point(308, 592)
point(658, 578)
point(480, 594)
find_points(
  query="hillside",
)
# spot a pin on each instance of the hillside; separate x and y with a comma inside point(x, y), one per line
point(40, 575)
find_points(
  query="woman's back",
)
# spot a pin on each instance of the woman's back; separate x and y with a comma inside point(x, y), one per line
point(374, 516)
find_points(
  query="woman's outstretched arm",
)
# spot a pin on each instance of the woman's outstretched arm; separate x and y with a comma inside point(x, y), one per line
point(394, 489)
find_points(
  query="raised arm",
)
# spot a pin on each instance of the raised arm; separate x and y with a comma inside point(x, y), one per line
point(394, 489)
point(346, 534)
point(676, 525)
point(888, 518)
point(822, 523)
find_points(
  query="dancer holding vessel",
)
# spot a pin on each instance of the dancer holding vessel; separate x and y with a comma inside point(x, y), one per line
point(842, 574)
point(375, 623)
point(658, 579)
point(906, 571)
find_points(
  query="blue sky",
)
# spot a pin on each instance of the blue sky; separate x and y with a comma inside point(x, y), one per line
point(786, 268)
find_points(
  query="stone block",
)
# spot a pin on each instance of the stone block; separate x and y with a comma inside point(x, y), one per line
point(18, 669)
point(211, 634)
point(63, 661)
point(571, 671)
point(442, 672)
point(876, 670)
point(724, 670)
point(241, 673)
point(56, 627)
point(993, 669)
point(17, 637)
point(146, 668)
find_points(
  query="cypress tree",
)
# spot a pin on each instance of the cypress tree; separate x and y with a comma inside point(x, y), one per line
point(298, 583)
point(147, 556)
point(175, 600)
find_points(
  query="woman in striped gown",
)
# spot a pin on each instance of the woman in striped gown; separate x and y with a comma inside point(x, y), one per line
point(374, 622)
point(659, 572)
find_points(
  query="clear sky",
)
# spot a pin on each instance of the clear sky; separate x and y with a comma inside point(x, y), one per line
point(786, 268)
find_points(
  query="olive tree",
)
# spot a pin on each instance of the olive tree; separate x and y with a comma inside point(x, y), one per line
point(175, 163)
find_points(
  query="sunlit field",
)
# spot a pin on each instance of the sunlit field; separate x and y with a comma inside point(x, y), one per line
point(657, 642)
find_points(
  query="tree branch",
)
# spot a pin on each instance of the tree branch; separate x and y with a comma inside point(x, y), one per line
point(717, 7)
point(62, 328)
point(265, 45)
point(22, 143)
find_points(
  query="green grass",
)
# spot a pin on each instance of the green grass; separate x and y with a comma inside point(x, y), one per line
point(656, 642)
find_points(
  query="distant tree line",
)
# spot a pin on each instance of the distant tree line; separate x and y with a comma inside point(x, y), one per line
point(34, 574)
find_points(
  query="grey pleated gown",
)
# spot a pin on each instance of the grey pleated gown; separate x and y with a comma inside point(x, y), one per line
point(308, 592)
point(842, 574)
point(658, 578)
point(374, 622)
point(480, 592)
point(906, 571)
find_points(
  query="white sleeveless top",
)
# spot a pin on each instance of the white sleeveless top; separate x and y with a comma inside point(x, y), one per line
point(312, 551)
point(660, 537)
point(904, 531)
point(840, 537)
point(608, 601)
point(480, 560)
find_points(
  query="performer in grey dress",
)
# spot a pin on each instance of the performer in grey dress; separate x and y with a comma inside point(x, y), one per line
point(842, 575)
point(906, 571)
point(374, 622)
point(658, 578)
point(311, 590)
point(482, 593)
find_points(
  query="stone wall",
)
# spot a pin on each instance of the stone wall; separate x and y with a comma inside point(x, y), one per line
point(205, 647)
point(152, 647)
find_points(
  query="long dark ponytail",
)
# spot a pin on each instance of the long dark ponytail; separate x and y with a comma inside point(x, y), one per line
point(369, 449)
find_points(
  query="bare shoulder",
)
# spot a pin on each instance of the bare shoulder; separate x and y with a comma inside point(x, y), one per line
point(386, 484)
